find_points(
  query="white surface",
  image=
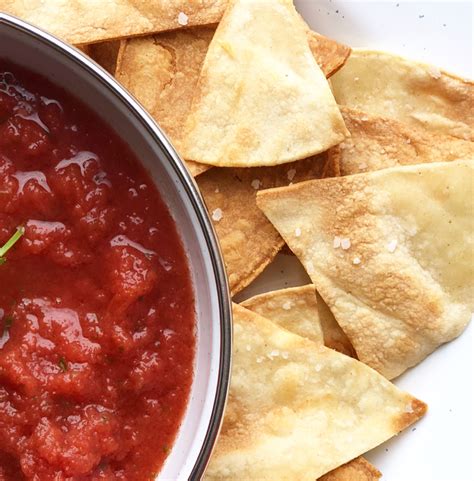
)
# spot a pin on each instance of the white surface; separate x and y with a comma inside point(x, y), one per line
point(441, 446)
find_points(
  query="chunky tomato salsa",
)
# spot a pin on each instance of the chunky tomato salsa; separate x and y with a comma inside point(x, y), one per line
point(97, 323)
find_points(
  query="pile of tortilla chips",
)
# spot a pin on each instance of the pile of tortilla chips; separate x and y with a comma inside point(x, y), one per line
point(367, 178)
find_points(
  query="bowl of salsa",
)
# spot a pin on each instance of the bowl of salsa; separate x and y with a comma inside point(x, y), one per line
point(115, 324)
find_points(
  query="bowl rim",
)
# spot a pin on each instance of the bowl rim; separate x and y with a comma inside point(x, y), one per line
point(192, 192)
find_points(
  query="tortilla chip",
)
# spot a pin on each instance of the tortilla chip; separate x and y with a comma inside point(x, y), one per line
point(385, 85)
point(162, 72)
point(358, 469)
point(391, 252)
point(261, 98)
point(297, 410)
point(106, 54)
point(294, 309)
point(248, 240)
point(89, 21)
point(378, 143)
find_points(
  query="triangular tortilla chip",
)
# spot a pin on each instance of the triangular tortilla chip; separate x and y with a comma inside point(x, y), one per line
point(378, 143)
point(297, 410)
point(90, 21)
point(162, 72)
point(261, 98)
point(248, 240)
point(294, 308)
point(391, 252)
point(420, 95)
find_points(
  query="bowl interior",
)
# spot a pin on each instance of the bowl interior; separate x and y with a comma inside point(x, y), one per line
point(68, 68)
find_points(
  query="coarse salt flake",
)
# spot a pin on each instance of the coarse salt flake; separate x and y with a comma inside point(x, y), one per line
point(356, 260)
point(297, 232)
point(256, 184)
point(336, 243)
point(291, 174)
point(392, 245)
point(287, 305)
point(183, 18)
point(345, 243)
point(217, 214)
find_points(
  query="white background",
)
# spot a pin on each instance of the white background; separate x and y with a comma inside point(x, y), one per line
point(441, 446)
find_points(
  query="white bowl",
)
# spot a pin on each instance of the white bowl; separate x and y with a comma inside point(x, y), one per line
point(68, 68)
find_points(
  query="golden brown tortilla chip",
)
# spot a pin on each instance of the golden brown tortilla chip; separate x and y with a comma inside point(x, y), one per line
point(106, 54)
point(294, 309)
point(297, 410)
point(89, 21)
point(378, 143)
point(162, 72)
point(385, 85)
point(358, 469)
point(391, 252)
point(260, 106)
point(248, 240)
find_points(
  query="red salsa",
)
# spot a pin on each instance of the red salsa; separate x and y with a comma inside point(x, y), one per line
point(97, 322)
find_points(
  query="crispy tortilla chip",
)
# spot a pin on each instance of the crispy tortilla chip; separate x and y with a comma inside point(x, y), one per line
point(297, 410)
point(294, 309)
point(261, 98)
point(89, 21)
point(248, 240)
point(377, 143)
point(391, 252)
point(107, 54)
point(358, 469)
point(162, 72)
point(385, 85)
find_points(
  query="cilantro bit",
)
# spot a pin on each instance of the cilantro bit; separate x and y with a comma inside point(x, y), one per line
point(62, 363)
point(10, 243)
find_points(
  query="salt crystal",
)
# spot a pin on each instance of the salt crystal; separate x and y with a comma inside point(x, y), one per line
point(287, 305)
point(356, 79)
point(336, 243)
point(248, 347)
point(183, 19)
point(291, 174)
point(217, 214)
point(256, 184)
point(297, 232)
point(356, 260)
point(392, 245)
point(345, 243)
point(217, 190)
point(284, 355)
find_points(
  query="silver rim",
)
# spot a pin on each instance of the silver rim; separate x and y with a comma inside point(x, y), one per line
point(197, 202)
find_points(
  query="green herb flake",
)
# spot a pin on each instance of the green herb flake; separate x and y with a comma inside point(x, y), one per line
point(10, 243)
point(62, 363)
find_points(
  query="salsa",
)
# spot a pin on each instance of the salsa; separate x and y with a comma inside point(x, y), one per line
point(97, 320)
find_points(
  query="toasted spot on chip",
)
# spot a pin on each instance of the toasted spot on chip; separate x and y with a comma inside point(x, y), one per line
point(378, 143)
